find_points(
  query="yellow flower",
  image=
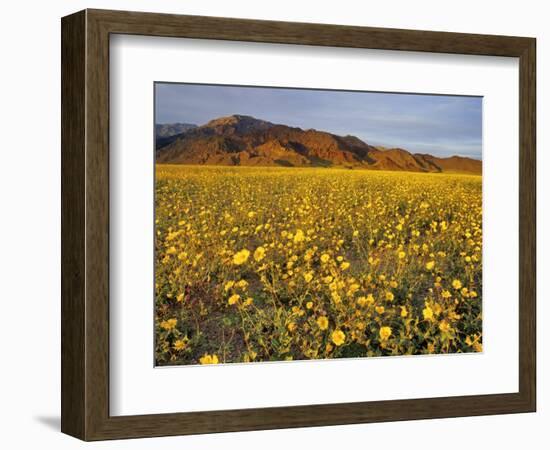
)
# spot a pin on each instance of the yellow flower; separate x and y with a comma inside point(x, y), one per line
point(242, 284)
point(353, 288)
point(291, 326)
point(355, 233)
point(299, 236)
point(259, 254)
point(401, 254)
point(228, 285)
point(428, 313)
point(172, 236)
point(478, 347)
point(457, 284)
point(389, 296)
point(454, 316)
point(444, 326)
point(309, 305)
point(404, 311)
point(180, 297)
point(336, 297)
point(209, 359)
point(171, 251)
point(430, 265)
point(248, 301)
point(241, 257)
point(324, 258)
point(169, 324)
point(308, 277)
point(338, 337)
point(344, 265)
point(380, 309)
point(322, 322)
point(233, 299)
point(180, 344)
point(446, 294)
point(385, 333)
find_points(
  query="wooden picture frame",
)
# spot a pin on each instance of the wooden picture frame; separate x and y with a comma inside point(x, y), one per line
point(85, 224)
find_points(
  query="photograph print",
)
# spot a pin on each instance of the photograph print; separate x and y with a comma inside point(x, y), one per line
point(304, 224)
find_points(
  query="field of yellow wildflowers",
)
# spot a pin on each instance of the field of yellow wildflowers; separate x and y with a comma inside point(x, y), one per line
point(272, 264)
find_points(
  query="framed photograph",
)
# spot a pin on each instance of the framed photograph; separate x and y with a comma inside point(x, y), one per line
point(273, 225)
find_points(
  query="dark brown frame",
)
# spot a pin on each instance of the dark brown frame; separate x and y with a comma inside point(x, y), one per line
point(85, 224)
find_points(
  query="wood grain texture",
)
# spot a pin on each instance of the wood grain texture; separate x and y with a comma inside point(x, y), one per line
point(73, 111)
point(85, 224)
point(201, 27)
point(97, 225)
point(527, 224)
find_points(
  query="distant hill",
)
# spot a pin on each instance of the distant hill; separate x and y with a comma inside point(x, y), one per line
point(245, 141)
point(164, 131)
point(171, 129)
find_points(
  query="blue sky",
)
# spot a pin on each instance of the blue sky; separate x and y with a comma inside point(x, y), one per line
point(437, 124)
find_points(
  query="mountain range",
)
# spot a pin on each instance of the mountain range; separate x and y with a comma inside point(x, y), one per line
point(239, 140)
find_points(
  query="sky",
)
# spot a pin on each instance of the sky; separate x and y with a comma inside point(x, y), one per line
point(440, 125)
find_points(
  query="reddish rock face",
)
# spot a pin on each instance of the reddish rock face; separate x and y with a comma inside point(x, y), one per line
point(243, 140)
